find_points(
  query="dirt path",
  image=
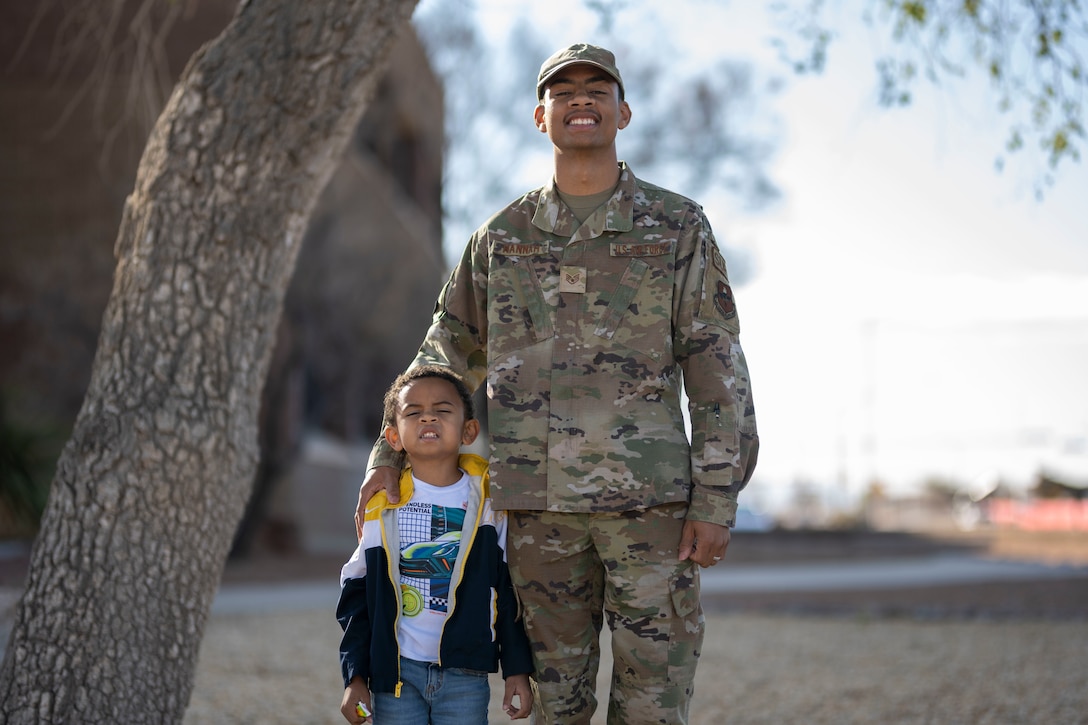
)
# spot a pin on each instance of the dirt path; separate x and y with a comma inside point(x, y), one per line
point(994, 653)
point(282, 668)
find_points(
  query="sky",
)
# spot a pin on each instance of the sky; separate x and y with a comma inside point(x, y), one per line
point(912, 313)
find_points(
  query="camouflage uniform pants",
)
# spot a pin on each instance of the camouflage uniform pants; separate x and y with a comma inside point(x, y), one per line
point(572, 570)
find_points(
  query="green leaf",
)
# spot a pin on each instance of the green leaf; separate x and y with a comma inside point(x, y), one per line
point(915, 11)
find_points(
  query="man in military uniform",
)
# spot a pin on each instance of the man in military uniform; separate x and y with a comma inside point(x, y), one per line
point(583, 306)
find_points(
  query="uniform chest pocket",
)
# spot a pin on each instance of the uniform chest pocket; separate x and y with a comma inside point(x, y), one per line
point(518, 312)
point(638, 313)
point(622, 297)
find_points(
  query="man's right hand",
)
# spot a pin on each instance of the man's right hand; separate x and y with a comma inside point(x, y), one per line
point(376, 479)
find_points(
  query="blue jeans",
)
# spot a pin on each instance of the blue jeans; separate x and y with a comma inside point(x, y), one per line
point(433, 695)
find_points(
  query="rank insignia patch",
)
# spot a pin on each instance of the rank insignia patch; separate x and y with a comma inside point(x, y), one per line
point(572, 279)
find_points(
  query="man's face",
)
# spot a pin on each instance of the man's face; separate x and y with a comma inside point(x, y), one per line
point(581, 109)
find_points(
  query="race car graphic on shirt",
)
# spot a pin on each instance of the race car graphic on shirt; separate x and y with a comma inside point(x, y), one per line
point(431, 538)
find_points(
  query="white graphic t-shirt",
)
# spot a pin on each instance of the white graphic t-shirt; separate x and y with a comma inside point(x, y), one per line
point(430, 539)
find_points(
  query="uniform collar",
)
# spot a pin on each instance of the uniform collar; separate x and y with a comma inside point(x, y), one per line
point(617, 214)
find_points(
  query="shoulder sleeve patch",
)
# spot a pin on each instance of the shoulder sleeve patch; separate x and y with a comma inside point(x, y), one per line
point(723, 301)
point(716, 305)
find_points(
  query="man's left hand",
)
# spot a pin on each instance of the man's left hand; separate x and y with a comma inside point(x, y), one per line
point(703, 542)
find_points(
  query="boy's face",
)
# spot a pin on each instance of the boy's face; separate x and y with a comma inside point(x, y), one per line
point(430, 421)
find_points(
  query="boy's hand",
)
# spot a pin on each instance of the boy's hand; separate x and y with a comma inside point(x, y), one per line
point(517, 686)
point(376, 479)
point(355, 693)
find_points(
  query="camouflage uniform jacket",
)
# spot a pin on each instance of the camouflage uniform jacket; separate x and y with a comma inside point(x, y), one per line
point(584, 335)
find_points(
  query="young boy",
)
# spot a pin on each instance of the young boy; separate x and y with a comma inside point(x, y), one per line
point(426, 602)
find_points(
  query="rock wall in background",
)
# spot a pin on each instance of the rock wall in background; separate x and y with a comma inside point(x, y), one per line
point(369, 270)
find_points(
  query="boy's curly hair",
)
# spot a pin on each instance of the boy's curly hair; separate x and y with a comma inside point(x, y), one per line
point(426, 371)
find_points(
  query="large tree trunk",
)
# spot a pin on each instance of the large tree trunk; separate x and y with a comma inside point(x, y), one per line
point(151, 486)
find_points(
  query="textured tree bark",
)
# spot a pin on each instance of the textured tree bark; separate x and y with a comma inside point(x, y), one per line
point(152, 484)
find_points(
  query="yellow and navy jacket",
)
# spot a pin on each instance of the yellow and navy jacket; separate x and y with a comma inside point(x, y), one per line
point(482, 627)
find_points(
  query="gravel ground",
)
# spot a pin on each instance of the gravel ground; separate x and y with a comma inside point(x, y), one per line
point(984, 654)
point(281, 668)
point(1007, 653)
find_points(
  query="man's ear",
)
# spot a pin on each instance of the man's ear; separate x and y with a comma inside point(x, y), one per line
point(392, 437)
point(625, 114)
point(538, 118)
point(472, 429)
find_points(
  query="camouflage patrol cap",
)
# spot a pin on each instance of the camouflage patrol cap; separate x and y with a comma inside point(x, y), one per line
point(574, 55)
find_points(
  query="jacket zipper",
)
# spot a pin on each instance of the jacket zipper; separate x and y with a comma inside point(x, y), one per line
point(462, 556)
point(396, 593)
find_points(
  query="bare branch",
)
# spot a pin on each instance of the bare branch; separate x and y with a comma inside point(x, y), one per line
point(102, 48)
